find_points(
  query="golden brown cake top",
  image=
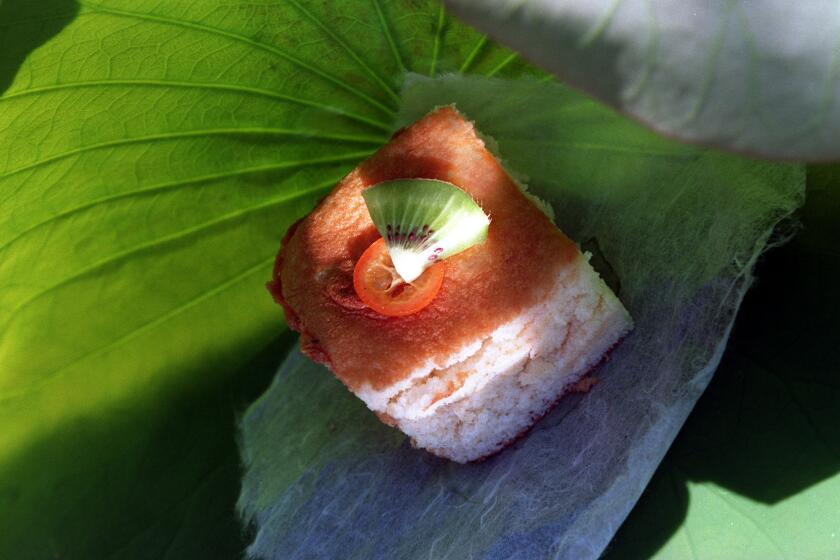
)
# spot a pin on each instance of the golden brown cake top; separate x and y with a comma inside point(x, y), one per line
point(484, 287)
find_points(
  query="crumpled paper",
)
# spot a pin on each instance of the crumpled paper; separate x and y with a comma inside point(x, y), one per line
point(676, 228)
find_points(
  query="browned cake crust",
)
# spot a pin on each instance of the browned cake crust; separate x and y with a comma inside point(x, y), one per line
point(483, 287)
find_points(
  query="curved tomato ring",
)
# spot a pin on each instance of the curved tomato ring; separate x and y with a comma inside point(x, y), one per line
point(380, 287)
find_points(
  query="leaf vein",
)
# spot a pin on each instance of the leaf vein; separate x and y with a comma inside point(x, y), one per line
point(163, 187)
point(162, 241)
point(304, 65)
point(254, 131)
point(473, 54)
point(233, 88)
point(343, 44)
point(498, 68)
point(602, 25)
point(438, 36)
point(135, 332)
point(711, 66)
point(726, 500)
point(388, 36)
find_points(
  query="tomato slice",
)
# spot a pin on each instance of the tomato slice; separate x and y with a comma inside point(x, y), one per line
point(380, 287)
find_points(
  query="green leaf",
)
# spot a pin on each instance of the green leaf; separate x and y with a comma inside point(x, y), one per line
point(760, 78)
point(151, 157)
point(755, 473)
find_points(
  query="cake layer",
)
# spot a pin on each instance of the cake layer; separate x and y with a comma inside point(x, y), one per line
point(484, 287)
point(475, 407)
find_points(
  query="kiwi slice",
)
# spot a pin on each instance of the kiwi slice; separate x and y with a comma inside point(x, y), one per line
point(424, 221)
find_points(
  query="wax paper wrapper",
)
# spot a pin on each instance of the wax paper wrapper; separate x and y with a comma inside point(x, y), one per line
point(676, 230)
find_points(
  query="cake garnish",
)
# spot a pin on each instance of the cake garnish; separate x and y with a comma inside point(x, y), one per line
point(380, 287)
point(424, 221)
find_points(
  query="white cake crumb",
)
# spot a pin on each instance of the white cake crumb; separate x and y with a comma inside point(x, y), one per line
point(497, 387)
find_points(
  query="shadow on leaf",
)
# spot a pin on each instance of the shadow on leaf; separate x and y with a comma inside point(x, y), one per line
point(152, 479)
point(27, 25)
point(766, 428)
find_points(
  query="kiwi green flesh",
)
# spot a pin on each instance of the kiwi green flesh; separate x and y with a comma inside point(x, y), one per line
point(424, 221)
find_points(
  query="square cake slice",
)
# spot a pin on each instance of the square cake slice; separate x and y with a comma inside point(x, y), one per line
point(518, 319)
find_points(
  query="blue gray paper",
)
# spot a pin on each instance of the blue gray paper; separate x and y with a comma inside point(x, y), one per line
point(681, 229)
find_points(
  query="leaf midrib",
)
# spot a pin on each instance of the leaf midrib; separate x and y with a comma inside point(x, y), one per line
point(165, 136)
point(210, 86)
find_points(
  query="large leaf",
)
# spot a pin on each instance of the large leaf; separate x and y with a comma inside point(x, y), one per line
point(757, 77)
point(118, 399)
point(151, 156)
point(756, 471)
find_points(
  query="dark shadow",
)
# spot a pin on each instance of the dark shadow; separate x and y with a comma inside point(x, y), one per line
point(25, 25)
point(661, 509)
point(766, 428)
point(155, 478)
